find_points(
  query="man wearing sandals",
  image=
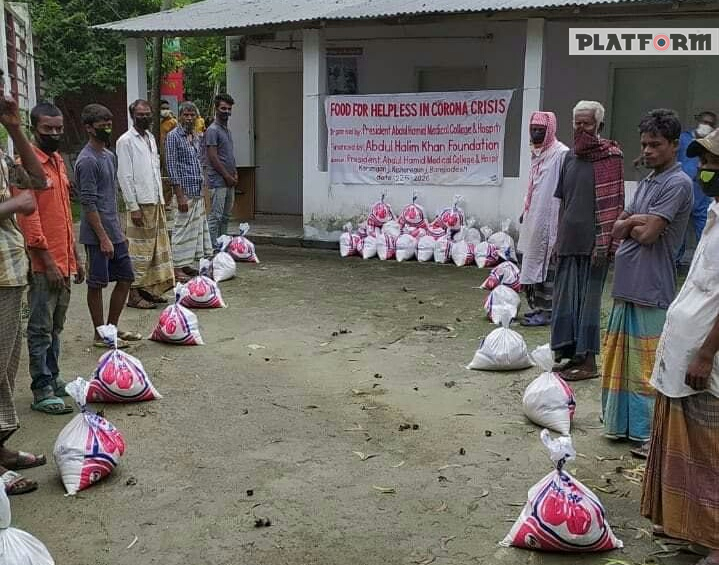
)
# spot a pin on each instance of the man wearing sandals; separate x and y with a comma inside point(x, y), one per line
point(680, 494)
point(538, 231)
point(138, 172)
point(13, 279)
point(50, 241)
point(591, 191)
point(108, 257)
point(191, 235)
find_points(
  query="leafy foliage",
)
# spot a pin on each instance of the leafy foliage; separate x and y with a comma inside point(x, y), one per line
point(71, 54)
point(203, 60)
point(74, 57)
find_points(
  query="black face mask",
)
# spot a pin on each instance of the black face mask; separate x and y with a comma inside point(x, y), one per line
point(223, 116)
point(709, 181)
point(537, 136)
point(103, 135)
point(49, 143)
point(143, 123)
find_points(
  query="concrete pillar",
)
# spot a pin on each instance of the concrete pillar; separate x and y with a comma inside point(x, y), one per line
point(314, 89)
point(135, 71)
point(533, 93)
point(239, 86)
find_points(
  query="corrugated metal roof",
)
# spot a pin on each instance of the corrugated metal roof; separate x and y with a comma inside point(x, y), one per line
point(218, 15)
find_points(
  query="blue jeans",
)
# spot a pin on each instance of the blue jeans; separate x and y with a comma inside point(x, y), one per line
point(222, 198)
point(48, 309)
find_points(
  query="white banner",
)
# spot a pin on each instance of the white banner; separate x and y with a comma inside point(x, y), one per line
point(452, 138)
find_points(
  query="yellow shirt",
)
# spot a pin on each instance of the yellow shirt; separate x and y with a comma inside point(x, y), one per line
point(166, 126)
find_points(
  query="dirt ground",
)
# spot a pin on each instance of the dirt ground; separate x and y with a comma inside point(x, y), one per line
point(340, 368)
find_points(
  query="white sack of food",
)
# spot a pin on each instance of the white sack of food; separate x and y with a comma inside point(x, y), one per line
point(548, 400)
point(503, 349)
point(406, 247)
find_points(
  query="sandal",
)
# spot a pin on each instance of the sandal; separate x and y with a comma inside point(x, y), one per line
point(121, 344)
point(574, 375)
point(190, 271)
point(51, 405)
point(562, 365)
point(24, 460)
point(15, 483)
point(152, 298)
point(182, 277)
point(536, 320)
point(141, 304)
point(129, 336)
point(642, 452)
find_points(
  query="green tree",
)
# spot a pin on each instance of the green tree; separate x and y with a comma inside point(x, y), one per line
point(204, 63)
point(72, 55)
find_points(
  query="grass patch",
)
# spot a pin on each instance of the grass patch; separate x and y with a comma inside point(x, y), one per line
point(75, 207)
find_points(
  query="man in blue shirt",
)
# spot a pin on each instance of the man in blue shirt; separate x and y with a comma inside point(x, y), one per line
point(705, 124)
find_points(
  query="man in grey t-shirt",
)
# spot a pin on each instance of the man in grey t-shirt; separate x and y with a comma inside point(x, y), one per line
point(652, 229)
point(108, 258)
point(221, 168)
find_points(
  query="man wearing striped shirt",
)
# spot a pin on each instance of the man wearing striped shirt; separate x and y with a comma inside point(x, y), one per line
point(14, 267)
point(191, 235)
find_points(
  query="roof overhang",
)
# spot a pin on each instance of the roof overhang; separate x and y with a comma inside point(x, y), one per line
point(246, 17)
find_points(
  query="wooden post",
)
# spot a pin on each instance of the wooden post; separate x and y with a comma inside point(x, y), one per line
point(157, 77)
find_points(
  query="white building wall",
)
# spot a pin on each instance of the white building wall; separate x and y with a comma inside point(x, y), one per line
point(391, 58)
point(240, 87)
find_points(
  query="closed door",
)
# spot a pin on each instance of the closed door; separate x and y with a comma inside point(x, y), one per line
point(278, 142)
point(638, 90)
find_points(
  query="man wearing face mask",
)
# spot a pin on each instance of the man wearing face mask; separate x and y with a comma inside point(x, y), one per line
point(221, 170)
point(191, 236)
point(680, 494)
point(538, 232)
point(591, 191)
point(54, 259)
point(108, 257)
point(705, 124)
point(138, 172)
point(168, 122)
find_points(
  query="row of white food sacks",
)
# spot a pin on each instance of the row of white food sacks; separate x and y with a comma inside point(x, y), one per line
point(561, 513)
point(447, 238)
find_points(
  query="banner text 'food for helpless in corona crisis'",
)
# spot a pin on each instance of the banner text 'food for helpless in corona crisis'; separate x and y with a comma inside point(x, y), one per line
point(452, 138)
